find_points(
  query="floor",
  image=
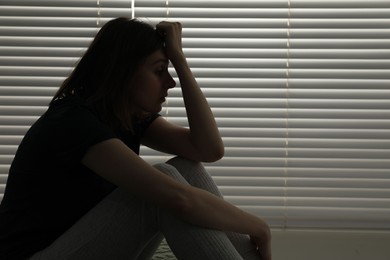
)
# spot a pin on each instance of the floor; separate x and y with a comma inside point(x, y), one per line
point(164, 252)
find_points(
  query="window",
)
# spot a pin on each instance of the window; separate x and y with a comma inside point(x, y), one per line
point(300, 90)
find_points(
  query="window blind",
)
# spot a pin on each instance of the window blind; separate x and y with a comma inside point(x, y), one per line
point(300, 90)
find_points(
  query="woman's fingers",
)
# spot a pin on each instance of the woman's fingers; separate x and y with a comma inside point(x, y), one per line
point(168, 26)
point(171, 31)
point(263, 246)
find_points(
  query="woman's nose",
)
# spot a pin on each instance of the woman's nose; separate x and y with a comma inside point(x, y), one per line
point(170, 82)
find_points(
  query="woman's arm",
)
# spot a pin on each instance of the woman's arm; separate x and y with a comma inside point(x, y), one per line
point(203, 135)
point(115, 162)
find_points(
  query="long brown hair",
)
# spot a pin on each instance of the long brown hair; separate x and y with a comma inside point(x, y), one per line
point(101, 77)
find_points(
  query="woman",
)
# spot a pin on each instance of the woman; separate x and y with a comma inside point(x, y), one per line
point(77, 188)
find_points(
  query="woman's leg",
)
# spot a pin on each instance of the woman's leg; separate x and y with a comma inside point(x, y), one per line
point(197, 176)
point(189, 242)
point(122, 227)
point(119, 227)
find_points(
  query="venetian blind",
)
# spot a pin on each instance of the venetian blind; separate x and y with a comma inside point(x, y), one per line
point(300, 90)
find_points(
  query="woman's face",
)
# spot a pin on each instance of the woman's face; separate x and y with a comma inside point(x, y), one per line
point(150, 83)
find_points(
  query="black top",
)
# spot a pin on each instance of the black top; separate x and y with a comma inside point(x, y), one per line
point(48, 189)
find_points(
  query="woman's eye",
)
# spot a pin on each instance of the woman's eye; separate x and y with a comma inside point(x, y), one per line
point(160, 71)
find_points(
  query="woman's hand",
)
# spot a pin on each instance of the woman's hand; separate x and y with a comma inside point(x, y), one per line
point(263, 244)
point(173, 43)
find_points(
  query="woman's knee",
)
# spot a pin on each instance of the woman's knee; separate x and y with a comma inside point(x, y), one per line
point(171, 171)
point(195, 174)
point(180, 162)
point(188, 168)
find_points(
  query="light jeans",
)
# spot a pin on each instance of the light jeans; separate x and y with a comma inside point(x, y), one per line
point(123, 227)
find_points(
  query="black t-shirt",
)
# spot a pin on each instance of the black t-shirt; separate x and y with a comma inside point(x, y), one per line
point(48, 189)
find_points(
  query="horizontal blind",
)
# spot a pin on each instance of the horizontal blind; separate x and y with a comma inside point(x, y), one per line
point(338, 96)
point(301, 94)
point(300, 91)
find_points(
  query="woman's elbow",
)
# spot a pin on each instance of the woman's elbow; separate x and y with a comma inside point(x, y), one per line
point(216, 155)
point(213, 155)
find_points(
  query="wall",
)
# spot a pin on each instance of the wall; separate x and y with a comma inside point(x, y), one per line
point(331, 245)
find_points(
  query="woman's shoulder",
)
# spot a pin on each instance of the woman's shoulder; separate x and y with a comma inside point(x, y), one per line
point(71, 115)
point(71, 108)
point(68, 103)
